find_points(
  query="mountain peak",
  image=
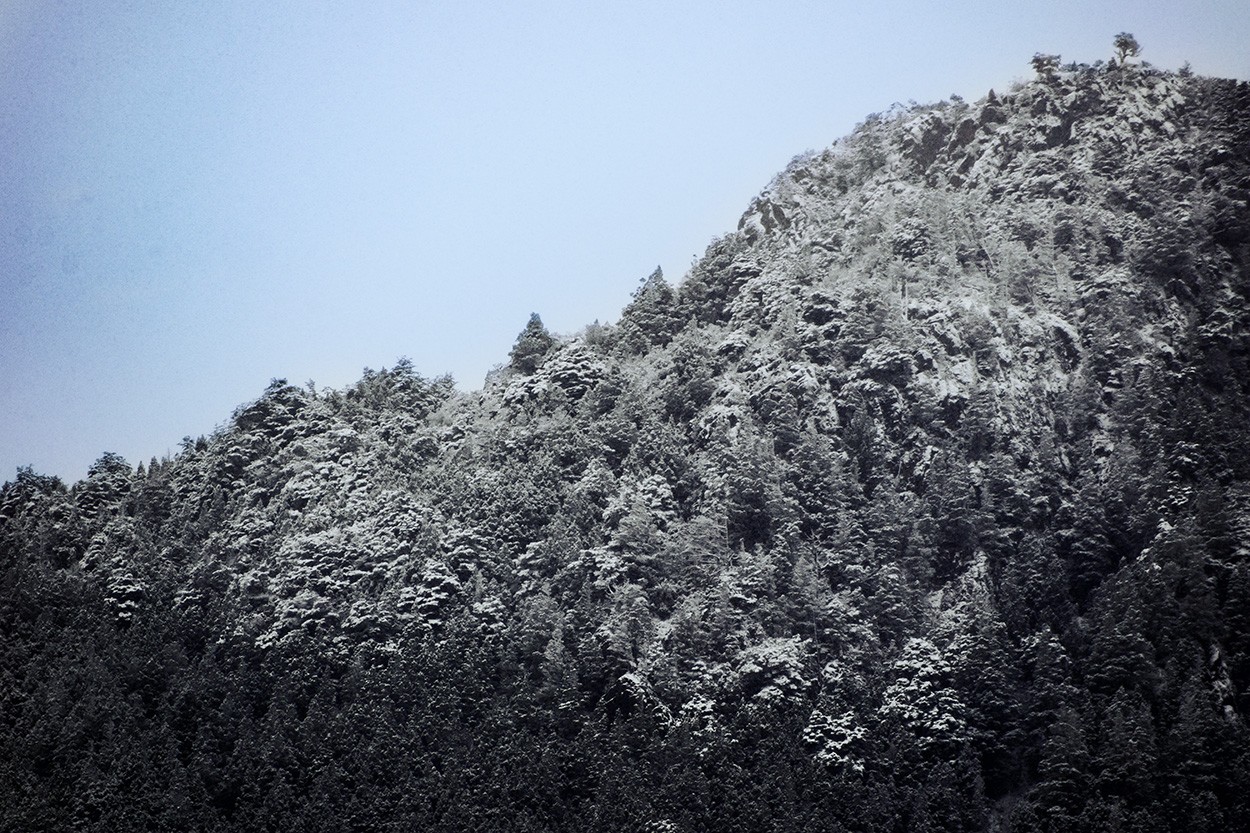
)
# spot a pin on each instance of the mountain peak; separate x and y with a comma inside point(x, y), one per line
point(921, 501)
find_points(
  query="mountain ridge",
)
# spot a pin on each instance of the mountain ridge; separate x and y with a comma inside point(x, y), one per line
point(922, 502)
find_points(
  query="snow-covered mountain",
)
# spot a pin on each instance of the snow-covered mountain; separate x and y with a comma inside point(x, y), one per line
point(921, 502)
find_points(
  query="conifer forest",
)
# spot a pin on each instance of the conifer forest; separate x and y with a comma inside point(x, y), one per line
point(921, 503)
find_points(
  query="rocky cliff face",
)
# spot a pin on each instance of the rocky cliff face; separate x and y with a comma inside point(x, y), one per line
point(921, 503)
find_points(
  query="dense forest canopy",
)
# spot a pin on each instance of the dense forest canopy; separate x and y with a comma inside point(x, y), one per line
point(921, 503)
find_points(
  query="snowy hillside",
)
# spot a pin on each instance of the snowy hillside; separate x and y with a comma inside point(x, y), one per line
point(921, 503)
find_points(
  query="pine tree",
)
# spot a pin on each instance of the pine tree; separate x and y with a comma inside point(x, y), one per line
point(651, 317)
point(1062, 791)
point(1127, 753)
point(532, 346)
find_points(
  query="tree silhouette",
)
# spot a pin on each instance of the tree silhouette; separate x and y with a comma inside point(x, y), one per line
point(1045, 65)
point(1126, 46)
point(532, 345)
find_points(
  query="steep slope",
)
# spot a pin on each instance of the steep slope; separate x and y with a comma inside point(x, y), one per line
point(921, 503)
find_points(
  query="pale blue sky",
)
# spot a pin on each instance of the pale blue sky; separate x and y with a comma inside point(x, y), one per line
point(198, 197)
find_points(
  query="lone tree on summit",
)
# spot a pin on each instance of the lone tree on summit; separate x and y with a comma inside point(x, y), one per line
point(1045, 65)
point(1126, 47)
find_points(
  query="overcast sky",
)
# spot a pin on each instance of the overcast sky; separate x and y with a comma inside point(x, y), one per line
point(198, 197)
